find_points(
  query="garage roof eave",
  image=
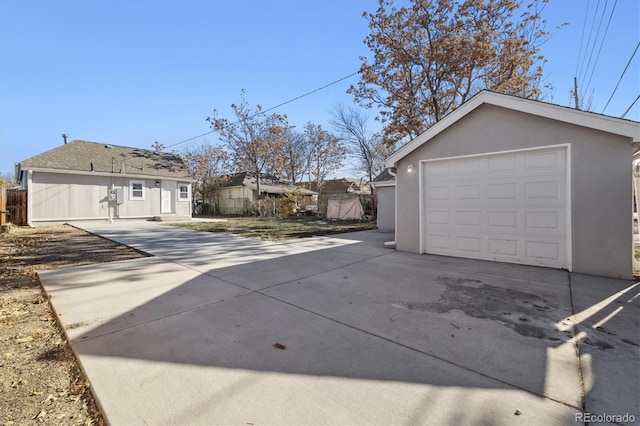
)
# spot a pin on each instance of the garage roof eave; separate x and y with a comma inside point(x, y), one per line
point(605, 123)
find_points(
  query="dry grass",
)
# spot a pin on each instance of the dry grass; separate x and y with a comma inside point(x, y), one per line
point(278, 229)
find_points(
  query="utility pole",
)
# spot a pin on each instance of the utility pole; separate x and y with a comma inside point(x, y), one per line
point(575, 92)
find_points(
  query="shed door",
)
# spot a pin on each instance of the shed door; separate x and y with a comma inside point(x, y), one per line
point(509, 207)
point(166, 197)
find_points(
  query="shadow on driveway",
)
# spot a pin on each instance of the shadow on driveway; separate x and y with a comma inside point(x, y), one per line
point(221, 329)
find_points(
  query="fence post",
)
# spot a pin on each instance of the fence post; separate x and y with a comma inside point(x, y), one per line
point(3, 205)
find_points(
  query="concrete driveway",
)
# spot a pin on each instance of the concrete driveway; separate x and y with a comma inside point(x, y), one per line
point(217, 329)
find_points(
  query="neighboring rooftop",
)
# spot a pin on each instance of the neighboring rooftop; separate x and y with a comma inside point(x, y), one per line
point(97, 157)
point(384, 176)
point(345, 185)
point(268, 185)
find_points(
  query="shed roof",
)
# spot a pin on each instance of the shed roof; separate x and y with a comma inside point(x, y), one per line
point(385, 178)
point(605, 123)
point(84, 156)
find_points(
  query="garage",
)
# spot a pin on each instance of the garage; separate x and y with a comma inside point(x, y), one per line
point(507, 179)
point(509, 207)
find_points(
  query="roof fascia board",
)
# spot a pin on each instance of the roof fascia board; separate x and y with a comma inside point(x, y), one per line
point(383, 183)
point(126, 175)
point(603, 123)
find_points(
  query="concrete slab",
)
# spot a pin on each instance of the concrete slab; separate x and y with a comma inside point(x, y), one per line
point(451, 315)
point(607, 320)
point(217, 364)
point(340, 330)
point(97, 299)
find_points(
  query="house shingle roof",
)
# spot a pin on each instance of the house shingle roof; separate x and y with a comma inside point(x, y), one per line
point(86, 156)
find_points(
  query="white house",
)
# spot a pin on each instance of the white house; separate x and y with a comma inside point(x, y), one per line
point(95, 181)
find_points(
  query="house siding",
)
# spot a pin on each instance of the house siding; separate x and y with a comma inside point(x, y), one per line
point(56, 197)
point(60, 196)
point(600, 174)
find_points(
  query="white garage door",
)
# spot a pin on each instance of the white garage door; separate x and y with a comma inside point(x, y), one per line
point(509, 207)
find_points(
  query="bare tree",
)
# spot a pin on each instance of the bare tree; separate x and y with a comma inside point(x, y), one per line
point(8, 180)
point(431, 56)
point(325, 154)
point(368, 149)
point(295, 155)
point(254, 139)
point(207, 164)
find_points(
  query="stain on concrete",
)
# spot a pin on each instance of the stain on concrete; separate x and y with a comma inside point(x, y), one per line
point(526, 313)
point(450, 280)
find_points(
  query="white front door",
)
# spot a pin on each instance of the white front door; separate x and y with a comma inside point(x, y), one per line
point(509, 207)
point(166, 197)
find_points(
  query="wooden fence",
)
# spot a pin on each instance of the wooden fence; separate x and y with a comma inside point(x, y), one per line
point(13, 206)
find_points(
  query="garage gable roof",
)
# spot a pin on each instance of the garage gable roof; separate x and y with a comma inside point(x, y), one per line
point(590, 120)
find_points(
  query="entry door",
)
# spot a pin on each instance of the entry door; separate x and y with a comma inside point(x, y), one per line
point(509, 207)
point(166, 196)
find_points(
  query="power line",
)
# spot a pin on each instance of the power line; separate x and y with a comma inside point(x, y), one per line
point(630, 106)
point(586, 47)
point(595, 41)
point(604, 36)
point(620, 79)
point(584, 25)
point(274, 107)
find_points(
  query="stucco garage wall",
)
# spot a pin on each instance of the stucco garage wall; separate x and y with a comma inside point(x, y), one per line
point(600, 170)
point(386, 208)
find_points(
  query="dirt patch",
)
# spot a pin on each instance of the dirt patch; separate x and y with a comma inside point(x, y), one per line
point(40, 379)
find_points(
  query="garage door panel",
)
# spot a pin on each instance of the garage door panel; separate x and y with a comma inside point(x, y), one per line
point(505, 207)
point(468, 166)
point(502, 164)
point(438, 170)
point(436, 193)
point(547, 221)
point(468, 192)
point(502, 191)
point(469, 244)
point(503, 247)
point(546, 161)
point(440, 243)
point(503, 219)
point(439, 217)
point(546, 190)
point(540, 250)
point(468, 218)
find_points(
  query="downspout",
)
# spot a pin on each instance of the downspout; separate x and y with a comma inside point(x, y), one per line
point(29, 197)
point(395, 207)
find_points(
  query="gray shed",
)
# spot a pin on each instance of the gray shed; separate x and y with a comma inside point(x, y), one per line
point(521, 181)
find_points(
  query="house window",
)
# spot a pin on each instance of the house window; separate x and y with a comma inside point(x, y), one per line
point(136, 190)
point(183, 192)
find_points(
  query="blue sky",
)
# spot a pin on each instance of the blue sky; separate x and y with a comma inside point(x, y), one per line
point(134, 72)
